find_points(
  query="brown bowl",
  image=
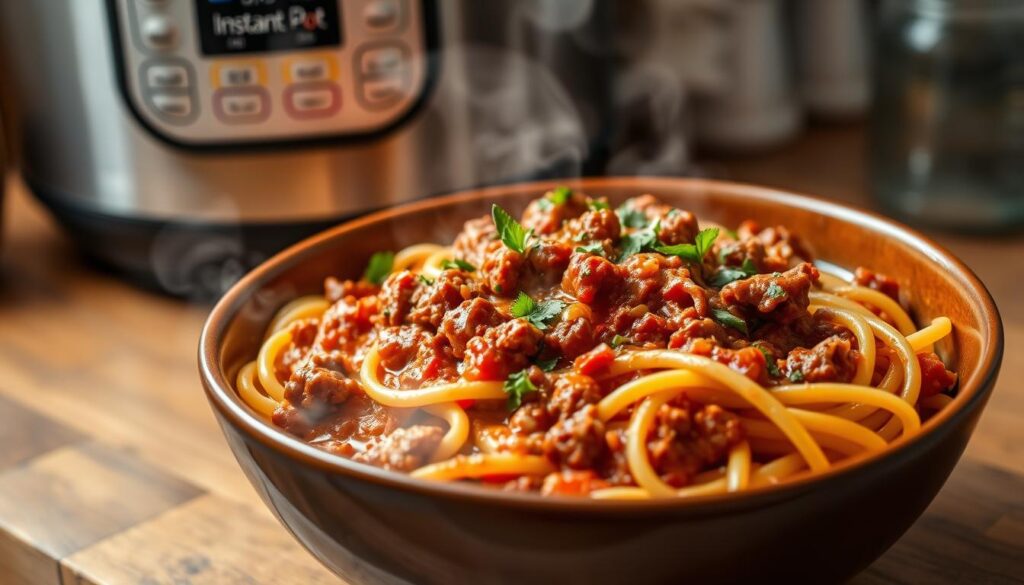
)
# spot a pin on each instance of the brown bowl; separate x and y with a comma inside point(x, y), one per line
point(375, 526)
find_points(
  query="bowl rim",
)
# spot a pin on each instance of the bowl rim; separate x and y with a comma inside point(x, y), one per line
point(222, 396)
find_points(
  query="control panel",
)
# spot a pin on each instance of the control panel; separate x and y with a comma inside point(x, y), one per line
point(228, 72)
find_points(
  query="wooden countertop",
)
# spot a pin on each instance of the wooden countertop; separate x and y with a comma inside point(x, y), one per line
point(114, 470)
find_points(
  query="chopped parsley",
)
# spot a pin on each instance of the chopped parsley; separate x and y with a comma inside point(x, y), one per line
point(539, 314)
point(547, 365)
point(456, 263)
point(516, 386)
point(696, 251)
point(619, 341)
point(796, 376)
point(425, 279)
point(595, 248)
point(639, 241)
point(773, 368)
point(597, 205)
point(379, 267)
point(511, 232)
point(559, 195)
point(729, 320)
point(630, 217)
point(775, 291)
point(728, 274)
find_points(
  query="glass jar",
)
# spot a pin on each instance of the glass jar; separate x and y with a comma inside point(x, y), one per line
point(947, 125)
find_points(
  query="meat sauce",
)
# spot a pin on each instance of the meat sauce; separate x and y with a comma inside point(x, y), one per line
point(743, 303)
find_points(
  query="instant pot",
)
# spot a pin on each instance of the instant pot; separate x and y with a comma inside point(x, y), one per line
point(181, 141)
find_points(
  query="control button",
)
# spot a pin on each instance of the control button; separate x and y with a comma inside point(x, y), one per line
point(238, 75)
point(309, 70)
point(384, 75)
point(172, 105)
point(166, 77)
point(241, 105)
point(381, 14)
point(382, 62)
point(158, 32)
point(312, 100)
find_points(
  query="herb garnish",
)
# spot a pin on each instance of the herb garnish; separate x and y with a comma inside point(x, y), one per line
point(547, 365)
point(729, 320)
point(597, 205)
point(596, 248)
point(379, 267)
point(539, 314)
point(447, 264)
point(630, 217)
point(618, 341)
point(638, 241)
point(774, 291)
point(796, 376)
point(516, 386)
point(773, 368)
point(425, 279)
point(511, 232)
point(696, 251)
point(727, 274)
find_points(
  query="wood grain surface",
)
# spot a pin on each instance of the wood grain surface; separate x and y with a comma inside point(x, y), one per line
point(113, 470)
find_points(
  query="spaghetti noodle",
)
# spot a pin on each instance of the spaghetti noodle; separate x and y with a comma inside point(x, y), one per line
point(611, 354)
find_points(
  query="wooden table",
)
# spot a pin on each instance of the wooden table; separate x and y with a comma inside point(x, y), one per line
point(113, 470)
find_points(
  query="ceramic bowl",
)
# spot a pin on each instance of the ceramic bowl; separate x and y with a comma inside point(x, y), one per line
point(374, 526)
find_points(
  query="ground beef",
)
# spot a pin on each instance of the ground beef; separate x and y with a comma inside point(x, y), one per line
point(681, 444)
point(576, 442)
point(475, 240)
point(935, 378)
point(571, 393)
point(571, 483)
point(530, 418)
point(396, 297)
point(569, 339)
point(600, 224)
point(335, 290)
point(545, 217)
point(501, 350)
point(805, 331)
point(678, 227)
point(432, 301)
point(592, 279)
point(832, 360)
point(876, 281)
point(470, 319)
point(403, 449)
point(781, 297)
point(319, 382)
point(547, 262)
point(502, 269)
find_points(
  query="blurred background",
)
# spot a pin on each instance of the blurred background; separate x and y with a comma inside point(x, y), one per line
point(157, 149)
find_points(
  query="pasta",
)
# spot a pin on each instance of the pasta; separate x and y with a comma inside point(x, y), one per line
point(645, 358)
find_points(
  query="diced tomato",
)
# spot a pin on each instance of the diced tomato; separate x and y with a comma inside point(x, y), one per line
point(572, 483)
point(595, 361)
point(464, 404)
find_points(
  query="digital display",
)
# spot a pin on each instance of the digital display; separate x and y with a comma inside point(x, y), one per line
point(255, 26)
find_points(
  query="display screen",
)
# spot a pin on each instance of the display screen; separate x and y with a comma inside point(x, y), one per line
point(251, 26)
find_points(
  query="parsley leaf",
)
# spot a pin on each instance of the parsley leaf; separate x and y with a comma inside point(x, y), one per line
point(595, 248)
point(727, 274)
point(638, 241)
point(516, 386)
point(618, 341)
point(729, 320)
point(796, 376)
point(379, 267)
point(539, 314)
point(773, 368)
point(547, 365)
point(522, 306)
point(775, 291)
point(559, 195)
point(630, 217)
point(694, 252)
point(447, 264)
point(425, 279)
point(511, 232)
point(597, 204)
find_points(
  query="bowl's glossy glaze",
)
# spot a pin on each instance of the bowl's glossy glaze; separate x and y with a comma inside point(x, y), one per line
point(372, 526)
